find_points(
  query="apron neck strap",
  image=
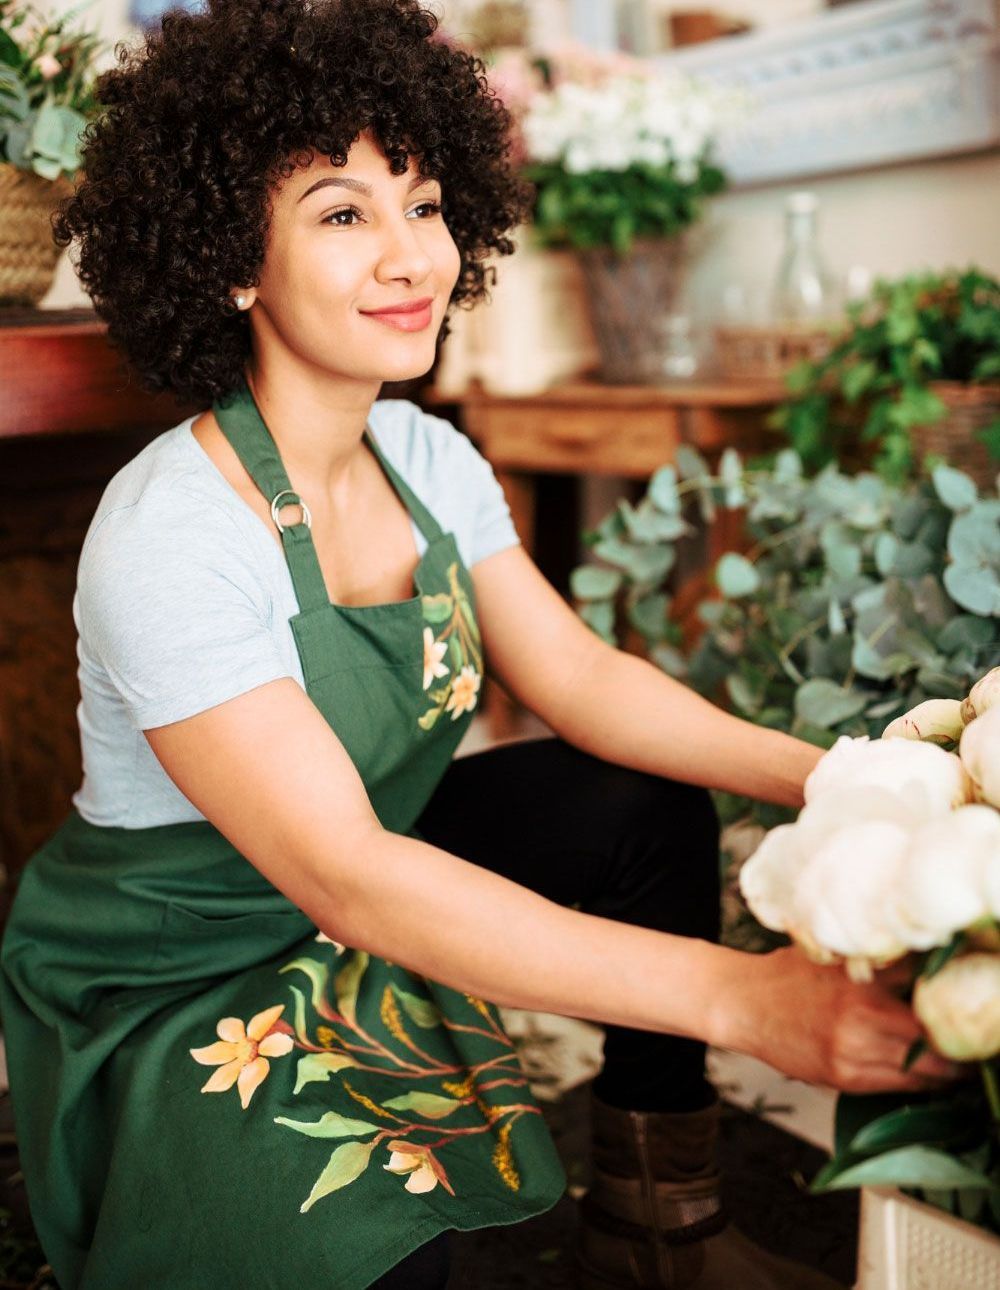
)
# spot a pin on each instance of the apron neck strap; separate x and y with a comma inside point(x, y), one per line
point(240, 421)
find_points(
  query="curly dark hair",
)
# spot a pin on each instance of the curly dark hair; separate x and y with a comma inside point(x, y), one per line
point(207, 114)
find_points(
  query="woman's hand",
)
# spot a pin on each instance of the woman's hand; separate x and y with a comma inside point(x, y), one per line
point(814, 1023)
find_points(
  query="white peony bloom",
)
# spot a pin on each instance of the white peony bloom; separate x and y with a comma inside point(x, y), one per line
point(929, 779)
point(842, 894)
point(960, 1007)
point(951, 876)
point(979, 750)
point(768, 878)
point(985, 694)
point(936, 720)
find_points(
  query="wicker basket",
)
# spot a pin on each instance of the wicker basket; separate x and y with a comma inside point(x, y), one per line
point(630, 296)
point(749, 353)
point(970, 408)
point(28, 255)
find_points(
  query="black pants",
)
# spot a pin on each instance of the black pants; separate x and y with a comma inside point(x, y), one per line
point(619, 843)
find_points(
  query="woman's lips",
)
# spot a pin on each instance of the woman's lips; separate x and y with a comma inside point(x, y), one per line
point(404, 320)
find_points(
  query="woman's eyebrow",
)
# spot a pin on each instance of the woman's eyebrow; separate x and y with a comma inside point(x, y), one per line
point(356, 185)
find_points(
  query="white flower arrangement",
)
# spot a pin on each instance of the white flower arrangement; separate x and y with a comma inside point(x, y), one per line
point(897, 850)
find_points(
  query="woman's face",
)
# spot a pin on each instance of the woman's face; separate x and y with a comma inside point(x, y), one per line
point(345, 242)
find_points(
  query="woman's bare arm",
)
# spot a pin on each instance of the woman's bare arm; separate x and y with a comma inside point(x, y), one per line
point(273, 777)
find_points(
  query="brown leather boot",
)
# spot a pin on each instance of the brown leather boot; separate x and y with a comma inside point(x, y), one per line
point(654, 1219)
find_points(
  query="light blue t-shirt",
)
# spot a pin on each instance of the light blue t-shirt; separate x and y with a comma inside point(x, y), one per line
point(183, 596)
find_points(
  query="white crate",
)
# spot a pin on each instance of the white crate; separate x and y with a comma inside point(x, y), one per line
point(907, 1245)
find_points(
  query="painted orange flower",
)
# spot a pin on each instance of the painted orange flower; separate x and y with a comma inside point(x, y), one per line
point(434, 652)
point(241, 1054)
point(464, 692)
point(424, 1168)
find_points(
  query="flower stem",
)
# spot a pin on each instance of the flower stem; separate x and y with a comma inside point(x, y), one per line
point(991, 1083)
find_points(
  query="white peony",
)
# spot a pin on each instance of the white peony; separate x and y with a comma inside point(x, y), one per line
point(979, 750)
point(842, 894)
point(929, 779)
point(937, 720)
point(951, 878)
point(960, 1007)
point(985, 694)
point(768, 879)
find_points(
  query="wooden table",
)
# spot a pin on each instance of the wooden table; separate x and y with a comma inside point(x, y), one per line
point(584, 427)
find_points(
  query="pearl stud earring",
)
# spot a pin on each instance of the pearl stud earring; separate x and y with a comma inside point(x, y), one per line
point(241, 301)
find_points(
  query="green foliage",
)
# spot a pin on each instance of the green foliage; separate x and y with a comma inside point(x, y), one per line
point(859, 598)
point(873, 386)
point(42, 117)
point(614, 207)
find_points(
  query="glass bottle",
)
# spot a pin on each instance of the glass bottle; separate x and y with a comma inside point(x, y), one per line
point(805, 292)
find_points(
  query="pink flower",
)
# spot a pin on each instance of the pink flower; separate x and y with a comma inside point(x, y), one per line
point(241, 1054)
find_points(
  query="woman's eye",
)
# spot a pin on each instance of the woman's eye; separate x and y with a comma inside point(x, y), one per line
point(433, 207)
point(344, 210)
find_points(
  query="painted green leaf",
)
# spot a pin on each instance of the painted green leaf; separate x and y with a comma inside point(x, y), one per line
point(330, 1125)
point(317, 1067)
point(470, 618)
point(421, 1011)
point(347, 1163)
point(301, 1029)
point(736, 576)
point(455, 652)
point(427, 721)
point(591, 582)
point(318, 974)
point(347, 982)
point(437, 609)
point(431, 1105)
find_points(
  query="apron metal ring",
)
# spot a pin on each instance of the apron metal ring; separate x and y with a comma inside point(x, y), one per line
point(277, 504)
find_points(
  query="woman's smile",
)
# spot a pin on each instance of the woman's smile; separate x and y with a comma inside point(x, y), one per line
point(413, 316)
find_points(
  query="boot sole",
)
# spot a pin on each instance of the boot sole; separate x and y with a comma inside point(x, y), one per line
point(588, 1278)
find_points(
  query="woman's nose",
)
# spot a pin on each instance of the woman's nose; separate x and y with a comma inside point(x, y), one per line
point(404, 254)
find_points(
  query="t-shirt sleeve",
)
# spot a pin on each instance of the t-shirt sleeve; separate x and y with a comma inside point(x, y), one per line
point(483, 518)
point(171, 607)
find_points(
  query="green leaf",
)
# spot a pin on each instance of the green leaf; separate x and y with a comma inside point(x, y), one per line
point(422, 1012)
point(690, 463)
point(942, 954)
point(591, 582)
point(347, 1163)
point(315, 1067)
point(956, 489)
point(973, 588)
point(330, 1125)
point(347, 982)
point(431, 1105)
point(649, 615)
point(912, 1126)
point(735, 576)
point(915, 1166)
point(663, 490)
point(600, 615)
point(823, 703)
point(455, 652)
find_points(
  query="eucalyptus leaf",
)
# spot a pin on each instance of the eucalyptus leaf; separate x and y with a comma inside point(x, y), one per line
point(591, 582)
point(736, 576)
point(823, 703)
point(663, 490)
point(955, 488)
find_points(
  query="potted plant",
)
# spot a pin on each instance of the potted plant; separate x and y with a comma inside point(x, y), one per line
point(620, 156)
point(916, 370)
point(46, 98)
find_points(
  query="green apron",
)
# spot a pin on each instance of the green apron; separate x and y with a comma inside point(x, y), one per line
point(207, 1091)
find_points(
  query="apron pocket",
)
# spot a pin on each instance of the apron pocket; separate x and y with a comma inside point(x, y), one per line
point(221, 943)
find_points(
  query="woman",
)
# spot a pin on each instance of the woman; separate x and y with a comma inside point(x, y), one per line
point(274, 888)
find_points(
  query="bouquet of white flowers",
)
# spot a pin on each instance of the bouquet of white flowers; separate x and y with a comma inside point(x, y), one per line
point(620, 151)
point(896, 852)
